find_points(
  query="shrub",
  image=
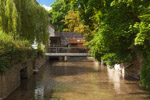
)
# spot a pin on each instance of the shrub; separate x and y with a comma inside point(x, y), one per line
point(15, 51)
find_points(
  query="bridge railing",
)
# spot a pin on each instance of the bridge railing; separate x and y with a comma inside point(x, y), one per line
point(67, 50)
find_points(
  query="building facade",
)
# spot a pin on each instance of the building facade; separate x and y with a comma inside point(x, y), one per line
point(62, 39)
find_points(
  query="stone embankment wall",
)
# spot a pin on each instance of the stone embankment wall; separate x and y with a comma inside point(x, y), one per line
point(10, 79)
point(38, 63)
point(132, 69)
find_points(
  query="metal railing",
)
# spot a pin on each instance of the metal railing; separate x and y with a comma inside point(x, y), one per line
point(67, 50)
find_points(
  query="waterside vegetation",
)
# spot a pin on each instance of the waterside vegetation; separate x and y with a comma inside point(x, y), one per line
point(118, 30)
point(22, 22)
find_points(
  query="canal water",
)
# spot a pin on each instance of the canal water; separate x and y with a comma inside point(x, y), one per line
point(79, 79)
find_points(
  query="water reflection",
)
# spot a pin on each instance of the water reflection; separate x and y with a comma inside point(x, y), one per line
point(39, 91)
point(96, 66)
point(79, 79)
point(114, 77)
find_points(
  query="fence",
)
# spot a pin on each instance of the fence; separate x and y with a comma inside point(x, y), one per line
point(67, 50)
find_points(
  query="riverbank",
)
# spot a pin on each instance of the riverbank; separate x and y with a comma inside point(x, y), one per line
point(10, 79)
point(79, 79)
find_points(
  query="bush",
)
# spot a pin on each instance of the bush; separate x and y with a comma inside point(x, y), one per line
point(15, 51)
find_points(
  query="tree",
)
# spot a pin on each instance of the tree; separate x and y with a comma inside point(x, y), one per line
point(24, 19)
point(122, 30)
point(21, 23)
point(74, 24)
point(58, 13)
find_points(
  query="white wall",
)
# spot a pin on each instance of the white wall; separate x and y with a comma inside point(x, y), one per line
point(51, 31)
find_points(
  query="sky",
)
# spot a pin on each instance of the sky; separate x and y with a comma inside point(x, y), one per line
point(45, 3)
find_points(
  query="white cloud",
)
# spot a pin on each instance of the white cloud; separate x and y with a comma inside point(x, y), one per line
point(46, 7)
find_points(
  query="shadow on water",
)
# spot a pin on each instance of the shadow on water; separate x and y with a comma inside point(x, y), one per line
point(69, 70)
point(139, 93)
point(72, 59)
point(147, 93)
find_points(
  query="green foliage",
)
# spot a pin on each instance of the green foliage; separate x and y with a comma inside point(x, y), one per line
point(58, 13)
point(11, 16)
point(145, 72)
point(34, 19)
point(9, 49)
point(144, 27)
point(24, 19)
point(14, 51)
point(116, 34)
point(21, 23)
point(74, 24)
point(122, 30)
point(87, 9)
point(143, 39)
